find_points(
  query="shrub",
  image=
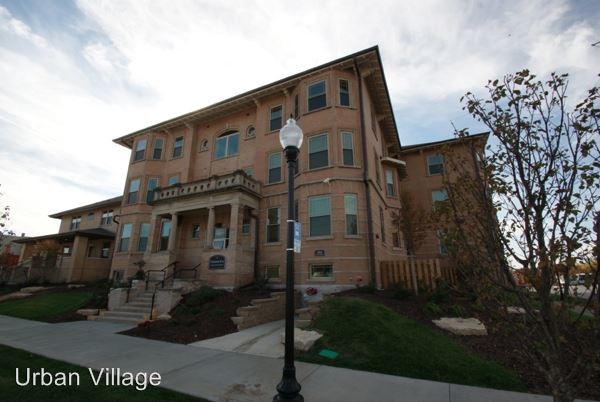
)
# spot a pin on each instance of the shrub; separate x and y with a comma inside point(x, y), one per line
point(202, 296)
point(433, 309)
point(441, 294)
point(457, 310)
point(370, 288)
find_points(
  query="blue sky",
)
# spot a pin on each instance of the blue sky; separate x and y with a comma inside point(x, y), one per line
point(76, 74)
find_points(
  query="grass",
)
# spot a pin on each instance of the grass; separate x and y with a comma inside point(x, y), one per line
point(371, 337)
point(45, 306)
point(11, 358)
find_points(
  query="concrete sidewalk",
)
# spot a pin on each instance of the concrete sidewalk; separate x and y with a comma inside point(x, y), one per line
point(227, 376)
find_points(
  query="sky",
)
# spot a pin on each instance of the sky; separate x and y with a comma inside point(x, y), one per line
point(74, 75)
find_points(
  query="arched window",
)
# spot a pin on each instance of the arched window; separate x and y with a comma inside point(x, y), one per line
point(204, 145)
point(250, 132)
point(228, 144)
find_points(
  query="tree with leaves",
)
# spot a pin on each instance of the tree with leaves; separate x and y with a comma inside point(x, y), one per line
point(412, 221)
point(4, 219)
point(529, 204)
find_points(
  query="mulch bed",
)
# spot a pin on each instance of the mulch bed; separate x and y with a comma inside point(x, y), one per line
point(499, 345)
point(213, 320)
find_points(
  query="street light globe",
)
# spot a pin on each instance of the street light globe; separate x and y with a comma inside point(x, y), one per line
point(291, 135)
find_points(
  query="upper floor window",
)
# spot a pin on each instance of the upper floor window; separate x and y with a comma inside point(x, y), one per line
point(173, 180)
point(165, 231)
point(106, 217)
point(319, 211)
point(275, 118)
point(347, 149)
point(152, 184)
point(317, 96)
point(389, 183)
point(158, 147)
point(144, 234)
point(438, 197)
point(75, 223)
point(227, 145)
point(134, 188)
point(125, 236)
point(274, 168)
point(204, 145)
point(140, 150)
point(435, 164)
point(90, 216)
point(344, 93)
point(318, 151)
point(273, 216)
point(178, 147)
point(351, 210)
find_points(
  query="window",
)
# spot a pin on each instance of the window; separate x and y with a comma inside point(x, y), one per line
point(382, 220)
point(250, 132)
point(396, 239)
point(204, 145)
point(158, 147)
point(165, 231)
point(273, 225)
point(173, 180)
point(144, 234)
point(274, 165)
point(321, 271)
point(377, 167)
point(152, 184)
point(296, 107)
point(318, 154)
point(317, 97)
point(272, 272)
point(249, 171)
point(275, 118)
point(105, 251)
point(195, 231)
point(107, 217)
point(75, 222)
point(347, 149)
point(227, 145)
point(90, 251)
point(140, 150)
point(344, 93)
point(67, 251)
point(435, 164)
point(438, 197)
point(350, 209)
point(134, 188)
point(178, 147)
point(90, 216)
point(125, 236)
point(389, 183)
point(221, 238)
point(319, 211)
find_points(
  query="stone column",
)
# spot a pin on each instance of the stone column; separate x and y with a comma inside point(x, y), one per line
point(252, 229)
point(152, 236)
point(173, 234)
point(233, 225)
point(210, 227)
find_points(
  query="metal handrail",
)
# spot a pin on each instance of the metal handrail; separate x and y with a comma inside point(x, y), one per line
point(163, 270)
point(162, 283)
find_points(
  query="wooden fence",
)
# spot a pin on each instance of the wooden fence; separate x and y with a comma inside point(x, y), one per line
point(415, 273)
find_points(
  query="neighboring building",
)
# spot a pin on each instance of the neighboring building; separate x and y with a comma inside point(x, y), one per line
point(9, 250)
point(82, 249)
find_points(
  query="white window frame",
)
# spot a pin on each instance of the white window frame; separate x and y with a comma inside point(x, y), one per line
point(312, 276)
point(175, 147)
point(311, 138)
point(347, 196)
point(269, 168)
point(140, 149)
point(310, 216)
point(430, 165)
point(227, 138)
point(270, 225)
point(308, 97)
point(340, 92)
point(271, 119)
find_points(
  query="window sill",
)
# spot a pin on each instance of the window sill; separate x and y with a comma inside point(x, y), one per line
point(138, 161)
point(176, 157)
point(275, 243)
point(273, 131)
point(319, 238)
point(349, 166)
point(353, 237)
point(349, 107)
point(317, 110)
point(317, 169)
point(226, 157)
point(273, 184)
point(330, 279)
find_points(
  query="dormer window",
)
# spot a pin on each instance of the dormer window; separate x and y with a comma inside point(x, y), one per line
point(227, 144)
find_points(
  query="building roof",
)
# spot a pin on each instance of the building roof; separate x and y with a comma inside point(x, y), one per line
point(368, 61)
point(91, 233)
point(105, 203)
point(435, 144)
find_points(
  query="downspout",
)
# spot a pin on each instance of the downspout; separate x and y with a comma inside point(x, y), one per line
point(256, 232)
point(372, 267)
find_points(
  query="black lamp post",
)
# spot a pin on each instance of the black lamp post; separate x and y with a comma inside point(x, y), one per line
point(288, 389)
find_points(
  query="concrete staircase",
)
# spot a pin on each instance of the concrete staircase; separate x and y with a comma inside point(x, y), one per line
point(133, 312)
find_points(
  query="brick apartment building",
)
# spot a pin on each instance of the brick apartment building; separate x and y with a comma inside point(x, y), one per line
point(208, 189)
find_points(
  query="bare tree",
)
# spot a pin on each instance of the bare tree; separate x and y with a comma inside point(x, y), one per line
point(529, 203)
point(4, 219)
point(413, 222)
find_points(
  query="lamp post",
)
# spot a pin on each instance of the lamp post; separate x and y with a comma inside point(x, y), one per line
point(290, 137)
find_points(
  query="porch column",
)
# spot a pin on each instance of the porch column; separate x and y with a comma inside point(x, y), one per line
point(233, 225)
point(173, 234)
point(152, 236)
point(210, 227)
point(252, 229)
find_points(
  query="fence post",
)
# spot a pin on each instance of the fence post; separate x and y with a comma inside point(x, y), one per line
point(413, 275)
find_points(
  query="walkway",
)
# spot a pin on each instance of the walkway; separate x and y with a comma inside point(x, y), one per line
point(227, 376)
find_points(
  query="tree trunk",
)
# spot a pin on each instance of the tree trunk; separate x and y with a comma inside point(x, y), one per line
point(561, 390)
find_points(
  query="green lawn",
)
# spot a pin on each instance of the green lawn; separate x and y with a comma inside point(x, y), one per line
point(45, 306)
point(371, 337)
point(11, 358)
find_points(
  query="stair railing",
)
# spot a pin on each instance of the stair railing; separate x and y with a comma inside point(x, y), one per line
point(173, 275)
point(163, 271)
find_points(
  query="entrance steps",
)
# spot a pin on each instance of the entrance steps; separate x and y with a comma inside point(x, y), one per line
point(133, 312)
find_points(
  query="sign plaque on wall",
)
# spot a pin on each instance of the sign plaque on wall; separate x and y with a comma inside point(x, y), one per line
point(216, 262)
point(319, 253)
